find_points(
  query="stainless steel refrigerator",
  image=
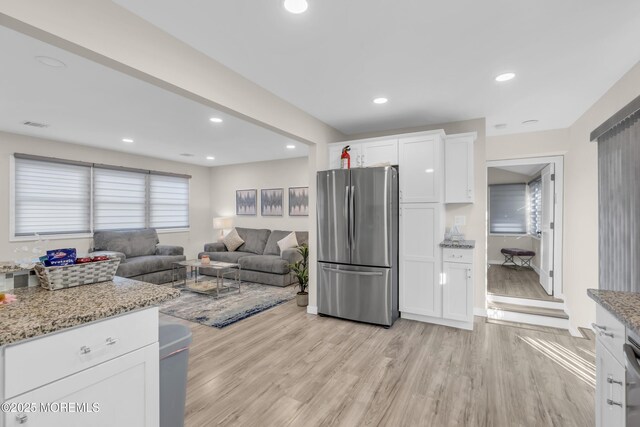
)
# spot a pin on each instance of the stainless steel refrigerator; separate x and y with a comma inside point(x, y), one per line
point(358, 244)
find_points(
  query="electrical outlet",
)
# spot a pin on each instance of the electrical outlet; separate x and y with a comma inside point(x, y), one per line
point(460, 220)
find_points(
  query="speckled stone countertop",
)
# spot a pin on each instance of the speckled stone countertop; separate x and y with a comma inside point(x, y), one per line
point(458, 244)
point(625, 306)
point(38, 311)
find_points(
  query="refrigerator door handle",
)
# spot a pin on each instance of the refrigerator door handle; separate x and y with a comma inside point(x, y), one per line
point(353, 216)
point(358, 273)
point(347, 215)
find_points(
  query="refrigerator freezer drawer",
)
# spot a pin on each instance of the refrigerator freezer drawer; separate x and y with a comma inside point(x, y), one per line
point(364, 294)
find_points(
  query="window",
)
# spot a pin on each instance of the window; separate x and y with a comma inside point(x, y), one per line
point(61, 197)
point(535, 207)
point(51, 198)
point(508, 209)
point(119, 199)
point(168, 201)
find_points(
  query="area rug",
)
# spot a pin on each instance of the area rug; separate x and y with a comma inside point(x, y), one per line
point(231, 307)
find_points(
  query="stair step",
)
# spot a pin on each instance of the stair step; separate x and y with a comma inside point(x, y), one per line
point(525, 309)
point(531, 327)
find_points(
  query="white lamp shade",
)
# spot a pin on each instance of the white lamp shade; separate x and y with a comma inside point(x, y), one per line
point(222, 223)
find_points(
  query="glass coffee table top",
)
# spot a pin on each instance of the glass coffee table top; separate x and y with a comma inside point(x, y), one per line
point(227, 277)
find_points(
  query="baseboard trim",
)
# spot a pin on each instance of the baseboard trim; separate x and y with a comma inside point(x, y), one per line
point(312, 309)
point(438, 321)
point(480, 312)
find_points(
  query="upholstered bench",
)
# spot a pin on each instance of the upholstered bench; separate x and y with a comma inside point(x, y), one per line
point(524, 255)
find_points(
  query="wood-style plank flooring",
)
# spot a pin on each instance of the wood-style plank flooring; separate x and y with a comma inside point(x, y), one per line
point(285, 367)
point(523, 283)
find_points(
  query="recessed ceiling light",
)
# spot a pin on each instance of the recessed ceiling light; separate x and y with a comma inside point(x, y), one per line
point(505, 77)
point(296, 6)
point(215, 120)
point(530, 122)
point(500, 126)
point(429, 170)
point(210, 158)
point(129, 140)
point(291, 146)
point(50, 62)
point(186, 155)
point(380, 101)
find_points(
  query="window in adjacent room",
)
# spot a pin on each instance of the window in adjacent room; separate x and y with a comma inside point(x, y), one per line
point(535, 207)
point(508, 209)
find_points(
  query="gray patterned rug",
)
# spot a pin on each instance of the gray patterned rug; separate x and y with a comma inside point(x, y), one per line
point(230, 307)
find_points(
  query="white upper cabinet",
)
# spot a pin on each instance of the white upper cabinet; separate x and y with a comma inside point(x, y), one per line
point(376, 152)
point(459, 178)
point(365, 153)
point(421, 169)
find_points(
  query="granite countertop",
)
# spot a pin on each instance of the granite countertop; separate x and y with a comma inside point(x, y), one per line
point(625, 306)
point(458, 244)
point(38, 311)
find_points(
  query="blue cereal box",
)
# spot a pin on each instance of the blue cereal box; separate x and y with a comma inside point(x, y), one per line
point(58, 257)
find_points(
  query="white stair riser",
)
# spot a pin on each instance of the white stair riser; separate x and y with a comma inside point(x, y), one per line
point(527, 302)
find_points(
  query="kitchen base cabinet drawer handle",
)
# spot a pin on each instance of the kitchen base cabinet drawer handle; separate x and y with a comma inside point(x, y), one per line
point(111, 341)
point(602, 330)
point(613, 403)
point(22, 418)
point(85, 349)
point(610, 380)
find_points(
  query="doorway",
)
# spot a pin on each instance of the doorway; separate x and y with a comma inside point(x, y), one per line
point(524, 230)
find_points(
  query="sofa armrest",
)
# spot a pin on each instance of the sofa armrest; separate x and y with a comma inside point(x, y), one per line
point(169, 250)
point(291, 255)
point(215, 247)
point(120, 255)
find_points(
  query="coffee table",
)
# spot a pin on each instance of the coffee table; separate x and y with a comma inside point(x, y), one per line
point(222, 269)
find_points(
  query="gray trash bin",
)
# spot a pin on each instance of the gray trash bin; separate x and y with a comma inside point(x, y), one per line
point(174, 360)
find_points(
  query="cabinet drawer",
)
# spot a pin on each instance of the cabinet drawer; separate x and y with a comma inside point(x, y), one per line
point(611, 332)
point(457, 255)
point(43, 360)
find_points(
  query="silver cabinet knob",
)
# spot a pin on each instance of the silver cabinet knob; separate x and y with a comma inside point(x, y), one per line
point(22, 418)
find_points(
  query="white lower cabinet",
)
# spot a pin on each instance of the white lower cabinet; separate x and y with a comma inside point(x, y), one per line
point(114, 381)
point(457, 292)
point(610, 370)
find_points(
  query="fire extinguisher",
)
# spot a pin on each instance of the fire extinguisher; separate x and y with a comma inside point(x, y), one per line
point(345, 158)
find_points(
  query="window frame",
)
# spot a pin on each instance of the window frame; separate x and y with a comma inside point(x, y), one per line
point(76, 236)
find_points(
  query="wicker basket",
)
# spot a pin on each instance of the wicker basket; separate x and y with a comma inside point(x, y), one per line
point(68, 276)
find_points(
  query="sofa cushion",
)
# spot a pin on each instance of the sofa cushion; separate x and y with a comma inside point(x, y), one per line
point(232, 241)
point(147, 264)
point(132, 243)
point(265, 263)
point(254, 240)
point(288, 242)
point(277, 235)
point(226, 256)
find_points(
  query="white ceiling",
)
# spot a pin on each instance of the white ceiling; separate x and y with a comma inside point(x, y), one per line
point(435, 60)
point(89, 104)
point(528, 170)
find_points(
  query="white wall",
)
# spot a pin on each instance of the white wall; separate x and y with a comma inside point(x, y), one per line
point(200, 216)
point(225, 180)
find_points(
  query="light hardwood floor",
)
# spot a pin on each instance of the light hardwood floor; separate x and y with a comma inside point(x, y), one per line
point(284, 367)
point(523, 283)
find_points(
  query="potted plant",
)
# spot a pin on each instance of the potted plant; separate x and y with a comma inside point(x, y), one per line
point(301, 270)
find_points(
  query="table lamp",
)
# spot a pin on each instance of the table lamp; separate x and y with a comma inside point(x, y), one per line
point(222, 224)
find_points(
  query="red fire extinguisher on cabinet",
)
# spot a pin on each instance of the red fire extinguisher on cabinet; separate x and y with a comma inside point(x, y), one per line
point(345, 158)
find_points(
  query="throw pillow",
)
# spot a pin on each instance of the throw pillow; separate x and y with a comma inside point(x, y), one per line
point(232, 241)
point(288, 242)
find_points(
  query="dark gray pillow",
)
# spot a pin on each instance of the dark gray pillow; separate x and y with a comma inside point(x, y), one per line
point(254, 240)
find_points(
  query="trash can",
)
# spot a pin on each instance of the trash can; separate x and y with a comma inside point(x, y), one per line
point(174, 360)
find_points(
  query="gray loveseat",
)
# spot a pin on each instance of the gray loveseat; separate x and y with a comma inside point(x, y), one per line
point(141, 257)
point(259, 256)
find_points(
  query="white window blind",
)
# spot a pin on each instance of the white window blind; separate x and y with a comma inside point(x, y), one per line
point(168, 201)
point(535, 207)
point(508, 209)
point(119, 199)
point(51, 198)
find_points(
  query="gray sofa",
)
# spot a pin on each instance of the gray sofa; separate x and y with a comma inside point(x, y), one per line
point(259, 256)
point(141, 257)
